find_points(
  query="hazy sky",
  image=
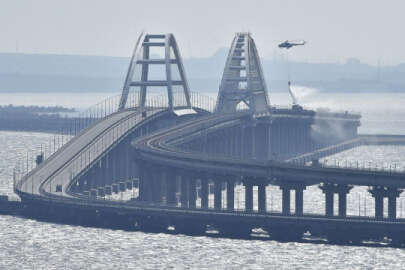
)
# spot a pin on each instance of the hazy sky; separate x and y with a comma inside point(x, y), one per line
point(335, 30)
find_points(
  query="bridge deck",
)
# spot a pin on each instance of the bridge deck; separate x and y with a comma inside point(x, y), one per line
point(79, 152)
point(159, 149)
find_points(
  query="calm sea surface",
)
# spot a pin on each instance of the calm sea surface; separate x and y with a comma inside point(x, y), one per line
point(29, 244)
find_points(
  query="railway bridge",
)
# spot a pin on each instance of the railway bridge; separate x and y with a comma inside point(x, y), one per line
point(181, 156)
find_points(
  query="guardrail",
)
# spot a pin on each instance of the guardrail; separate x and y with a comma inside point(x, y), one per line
point(88, 118)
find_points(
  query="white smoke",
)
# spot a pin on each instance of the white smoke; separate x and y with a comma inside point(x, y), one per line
point(302, 93)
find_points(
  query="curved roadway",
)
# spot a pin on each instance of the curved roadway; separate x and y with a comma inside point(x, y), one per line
point(77, 154)
point(163, 148)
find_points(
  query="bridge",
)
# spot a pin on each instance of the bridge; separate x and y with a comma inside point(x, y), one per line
point(184, 154)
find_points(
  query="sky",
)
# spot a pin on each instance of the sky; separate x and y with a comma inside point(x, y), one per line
point(371, 30)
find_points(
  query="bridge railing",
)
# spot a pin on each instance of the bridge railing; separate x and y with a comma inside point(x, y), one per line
point(324, 112)
point(79, 122)
point(351, 164)
point(155, 103)
point(363, 165)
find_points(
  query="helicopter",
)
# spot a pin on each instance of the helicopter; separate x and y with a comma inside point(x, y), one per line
point(289, 44)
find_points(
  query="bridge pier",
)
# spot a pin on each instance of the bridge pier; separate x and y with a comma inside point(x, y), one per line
point(113, 166)
point(98, 175)
point(183, 192)
point(379, 193)
point(101, 172)
point(192, 193)
point(94, 177)
point(299, 200)
point(329, 202)
point(127, 160)
point(217, 194)
point(204, 192)
point(262, 198)
point(286, 198)
point(156, 187)
point(392, 204)
point(89, 178)
point(171, 188)
point(141, 186)
point(230, 194)
point(107, 170)
point(119, 161)
point(146, 180)
point(343, 200)
point(248, 196)
point(329, 189)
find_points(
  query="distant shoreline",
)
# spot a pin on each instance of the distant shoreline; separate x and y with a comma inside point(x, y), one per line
point(74, 73)
point(36, 118)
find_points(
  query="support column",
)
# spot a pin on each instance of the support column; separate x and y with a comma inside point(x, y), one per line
point(286, 209)
point(91, 176)
point(171, 188)
point(204, 192)
point(148, 184)
point(329, 202)
point(379, 206)
point(192, 193)
point(99, 174)
point(230, 194)
point(379, 193)
point(183, 192)
point(142, 183)
point(157, 186)
point(393, 194)
point(262, 198)
point(217, 194)
point(343, 202)
point(114, 166)
point(299, 201)
point(392, 206)
point(330, 189)
point(248, 197)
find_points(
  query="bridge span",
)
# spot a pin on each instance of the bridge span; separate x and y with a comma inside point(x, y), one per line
point(171, 150)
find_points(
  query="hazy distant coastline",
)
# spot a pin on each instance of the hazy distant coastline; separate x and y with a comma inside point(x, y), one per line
point(36, 118)
point(73, 73)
